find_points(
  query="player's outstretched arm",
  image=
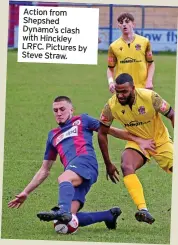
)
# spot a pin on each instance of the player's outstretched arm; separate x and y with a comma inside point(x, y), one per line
point(111, 169)
point(145, 144)
point(119, 133)
point(39, 177)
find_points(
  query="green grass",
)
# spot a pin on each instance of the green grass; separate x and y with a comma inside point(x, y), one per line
point(31, 89)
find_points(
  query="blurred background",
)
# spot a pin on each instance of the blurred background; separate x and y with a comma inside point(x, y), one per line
point(158, 24)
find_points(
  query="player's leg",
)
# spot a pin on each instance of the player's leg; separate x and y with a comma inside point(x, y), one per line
point(88, 218)
point(76, 206)
point(108, 216)
point(132, 160)
point(73, 176)
point(67, 183)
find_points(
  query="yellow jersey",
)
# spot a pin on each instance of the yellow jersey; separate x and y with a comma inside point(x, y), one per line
point(131, 58)
point(143, 119)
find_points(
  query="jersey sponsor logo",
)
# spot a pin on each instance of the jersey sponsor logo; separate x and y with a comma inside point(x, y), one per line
point(77, 122)
point(135, 123)
point(141, 110)
point(59, 138)
point(137, 46)
point(129, 60)
point(163, 106)
point(69, 133)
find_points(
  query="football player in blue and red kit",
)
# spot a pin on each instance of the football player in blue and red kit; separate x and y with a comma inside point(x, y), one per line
point(72, 141)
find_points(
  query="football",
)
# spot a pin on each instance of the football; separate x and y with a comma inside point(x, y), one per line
point(70, 228)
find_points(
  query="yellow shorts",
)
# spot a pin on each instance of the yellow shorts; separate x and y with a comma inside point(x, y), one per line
point(163, 156)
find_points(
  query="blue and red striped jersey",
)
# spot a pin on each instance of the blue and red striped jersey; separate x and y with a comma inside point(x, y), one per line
point(72, 139)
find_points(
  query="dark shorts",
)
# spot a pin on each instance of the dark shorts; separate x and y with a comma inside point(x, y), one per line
point(87, 168)
point(81, 192)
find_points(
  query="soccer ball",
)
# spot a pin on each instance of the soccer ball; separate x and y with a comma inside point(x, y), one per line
point(70, 228)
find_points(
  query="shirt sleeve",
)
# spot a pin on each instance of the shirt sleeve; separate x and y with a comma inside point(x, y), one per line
point(148, 53)
point(93, 124)
point(112, 59)
point(106, 116)
point(159, 104)
point(50, 152)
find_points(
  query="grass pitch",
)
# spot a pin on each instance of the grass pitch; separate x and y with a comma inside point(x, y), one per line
point(31, 89)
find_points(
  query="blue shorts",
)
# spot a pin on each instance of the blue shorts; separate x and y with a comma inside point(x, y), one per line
point(87, 168)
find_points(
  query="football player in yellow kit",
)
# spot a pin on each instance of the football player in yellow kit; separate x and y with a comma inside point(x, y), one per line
point(138, 110)
point(132, 54)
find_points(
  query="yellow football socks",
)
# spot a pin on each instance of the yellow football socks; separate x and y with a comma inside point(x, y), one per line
point(135, 189)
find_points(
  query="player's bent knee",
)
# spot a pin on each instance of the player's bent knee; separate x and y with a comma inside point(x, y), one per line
point(61, 179)
point(127, 168)
point(131, 160)
point(70, 176)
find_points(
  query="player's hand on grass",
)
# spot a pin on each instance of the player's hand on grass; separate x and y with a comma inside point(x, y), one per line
point(18, 201)
point(112, 172)
point(112, 87)
point(147, 145)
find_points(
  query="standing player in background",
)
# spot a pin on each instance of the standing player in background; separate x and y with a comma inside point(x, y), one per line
point(72, 141)
point(138, 110)
point(131, 54)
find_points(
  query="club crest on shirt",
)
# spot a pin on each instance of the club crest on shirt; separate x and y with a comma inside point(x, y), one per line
point(123, 111)
point(121, 48)
point(137, 46)
point(141, 110)
point(76, 123)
